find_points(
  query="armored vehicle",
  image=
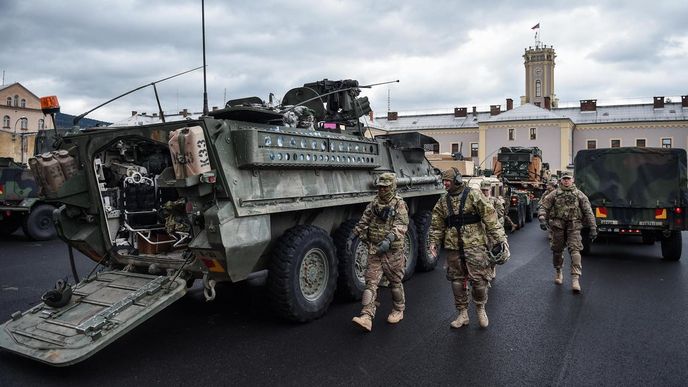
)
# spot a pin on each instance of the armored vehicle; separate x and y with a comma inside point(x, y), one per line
point(636, 192)
point(244, 191)
point(20, 205)
point(522, 170)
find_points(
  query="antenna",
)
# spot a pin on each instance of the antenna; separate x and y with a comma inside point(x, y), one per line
point(389, 100)
point(205, 87)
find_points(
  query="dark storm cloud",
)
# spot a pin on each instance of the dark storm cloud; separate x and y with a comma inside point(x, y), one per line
point(446, 53)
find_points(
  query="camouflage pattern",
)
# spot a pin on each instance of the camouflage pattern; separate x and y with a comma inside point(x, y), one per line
point(17, 183)
point(566, 211)
point(633, 177)
point(476, 267)
point(381, 220)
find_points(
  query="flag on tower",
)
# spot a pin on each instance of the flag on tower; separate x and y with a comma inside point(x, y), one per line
point(536, 27)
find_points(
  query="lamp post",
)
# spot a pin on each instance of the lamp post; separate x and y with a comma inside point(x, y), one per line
point(21, 138)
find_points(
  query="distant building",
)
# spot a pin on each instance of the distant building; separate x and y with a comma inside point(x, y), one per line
point(22, 118)
point(559, 132)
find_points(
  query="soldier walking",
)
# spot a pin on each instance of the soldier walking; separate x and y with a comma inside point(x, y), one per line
point(383, 227)
point(566, 210)
point(466, 223)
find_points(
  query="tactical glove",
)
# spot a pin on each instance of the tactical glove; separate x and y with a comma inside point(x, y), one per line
point(384, 246)
point(543, 224)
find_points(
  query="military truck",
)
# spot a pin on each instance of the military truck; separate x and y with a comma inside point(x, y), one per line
point(245, 191)
point(636, 192)
point(523, 172)
point(20, 205)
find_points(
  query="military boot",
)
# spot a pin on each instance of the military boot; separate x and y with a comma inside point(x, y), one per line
point(395, 316)
point(461, 319)
point(559, 277)
point(364, 322)
point(482, 316)
point(575, 285)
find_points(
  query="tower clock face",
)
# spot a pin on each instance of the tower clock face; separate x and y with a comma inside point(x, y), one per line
point(538, 70)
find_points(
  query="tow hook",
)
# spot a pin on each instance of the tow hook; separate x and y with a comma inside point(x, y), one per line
point(208, 288)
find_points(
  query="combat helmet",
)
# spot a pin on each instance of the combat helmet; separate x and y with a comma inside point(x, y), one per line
point(453, 175)
point(485, 185)
point(386, 179)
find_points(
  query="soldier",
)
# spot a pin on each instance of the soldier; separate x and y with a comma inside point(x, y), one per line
point(464, 220)
point(383, 227)
point(498, 204)
point(566, 211)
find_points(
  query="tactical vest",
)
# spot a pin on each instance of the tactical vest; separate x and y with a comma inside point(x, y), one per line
point(382, 222)
point(566, 206)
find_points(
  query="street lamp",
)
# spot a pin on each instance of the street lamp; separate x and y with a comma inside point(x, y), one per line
point(15, 125)
point(14, 136)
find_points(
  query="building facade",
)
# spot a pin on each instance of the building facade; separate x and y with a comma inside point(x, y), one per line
point(538, 121)
point(22, 118)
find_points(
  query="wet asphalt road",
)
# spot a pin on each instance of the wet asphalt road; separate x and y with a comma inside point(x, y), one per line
point(628, 327)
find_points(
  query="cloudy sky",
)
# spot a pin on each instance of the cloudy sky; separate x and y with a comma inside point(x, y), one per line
point(445, 53)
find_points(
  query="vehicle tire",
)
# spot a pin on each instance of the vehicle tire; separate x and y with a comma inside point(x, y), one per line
point(426, 261)
point(410, 250)
point(302, 273)
point(529, 214)
point(649, 237)
point(522, 218)
point(38, 225)
point(352, 264)
point(10, 225)
point(587, 244)
point(671, 246)
point(515, 219)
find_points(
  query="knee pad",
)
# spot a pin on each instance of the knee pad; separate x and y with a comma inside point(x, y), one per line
point(398, 293)
point(457, 287)
point(367, 297)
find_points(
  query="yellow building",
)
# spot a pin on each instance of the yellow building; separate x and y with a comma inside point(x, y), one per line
point(22, 118)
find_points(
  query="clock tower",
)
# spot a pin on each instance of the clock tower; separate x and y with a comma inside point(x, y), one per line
point(539, 62)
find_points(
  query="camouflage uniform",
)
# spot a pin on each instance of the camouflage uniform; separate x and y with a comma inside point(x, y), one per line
point(384, 221)
point(566, 211)
point(506, 219)
point(475, 267)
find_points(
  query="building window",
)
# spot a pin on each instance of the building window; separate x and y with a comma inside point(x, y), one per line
point(6, 122)
point(533, 134)
point(511, 134)
point(23, 103)
point(591, 144)
point(666, 143)
point(640, 142)
point(474, 150)
point(24, 123)
point(16, 100)
point(41, 124)
point(538, 88)
point(615, 143)
point(9, 101)
point(454, 148)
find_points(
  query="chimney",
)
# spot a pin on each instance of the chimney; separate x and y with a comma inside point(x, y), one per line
point(134, 113)
point(548, 104)
point(495, 109)
point(460, 112)
point(588, 105)
point(184, 112)
point(509, 104)
point(392, 116)
point(684, 101)
point(155, 114)
point(215, 108)
point(475, 111)
point(371, 115)
point(658, 102)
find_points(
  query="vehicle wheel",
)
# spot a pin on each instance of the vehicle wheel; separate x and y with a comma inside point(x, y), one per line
point(522, 219)
point(515, 219)
point(352, 264)
point(38, 225)
point(10, 225)
point(302, 273)
point(426, 261)
point(649, 238)
point(585, 235)
point(529, 214)
point(671, 246)
point(410, 250)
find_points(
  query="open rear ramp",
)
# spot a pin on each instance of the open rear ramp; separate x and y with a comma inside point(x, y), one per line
point(101, 310)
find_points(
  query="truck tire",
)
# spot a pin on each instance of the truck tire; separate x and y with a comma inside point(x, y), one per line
point(529, 214)
point(38, 225)
point(426, 261)
point(352, 264)
point(10, 225)
point(671, 246)
point(302, 273)
point(410, 250)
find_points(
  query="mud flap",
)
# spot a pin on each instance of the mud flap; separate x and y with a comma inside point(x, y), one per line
point(101, 310)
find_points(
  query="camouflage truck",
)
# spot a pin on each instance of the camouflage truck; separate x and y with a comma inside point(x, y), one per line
point(246, 191)
point(636, 192)
point(20, 205)
point(523, 172)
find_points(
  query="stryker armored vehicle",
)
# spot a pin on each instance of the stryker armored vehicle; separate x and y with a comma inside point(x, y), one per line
point(636, 192)
point(20, 205)
point(244, 191)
